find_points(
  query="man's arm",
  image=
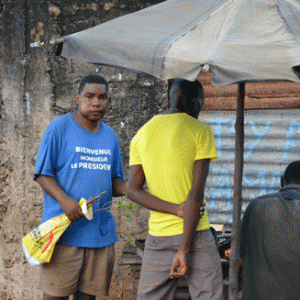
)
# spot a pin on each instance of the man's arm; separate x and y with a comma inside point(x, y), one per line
point(137, 194)
point(69, 205)
point(119, 187)
point(191, 217)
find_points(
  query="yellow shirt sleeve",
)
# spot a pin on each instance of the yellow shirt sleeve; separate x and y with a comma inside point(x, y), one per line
point(206, 147)
point(134, 155)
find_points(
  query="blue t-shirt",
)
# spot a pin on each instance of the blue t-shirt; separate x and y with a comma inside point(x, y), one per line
point(84, 164)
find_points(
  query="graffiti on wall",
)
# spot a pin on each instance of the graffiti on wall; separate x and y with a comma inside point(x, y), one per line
point(264, 179)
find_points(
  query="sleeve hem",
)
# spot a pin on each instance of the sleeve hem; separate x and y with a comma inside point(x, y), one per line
point(38, 174)
point(134, 164)
point(212, 158)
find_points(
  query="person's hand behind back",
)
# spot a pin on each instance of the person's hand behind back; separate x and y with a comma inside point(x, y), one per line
point(180, 212)
point(179, 265)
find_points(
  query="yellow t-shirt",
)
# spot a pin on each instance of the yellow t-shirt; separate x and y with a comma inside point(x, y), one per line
point(167, 147)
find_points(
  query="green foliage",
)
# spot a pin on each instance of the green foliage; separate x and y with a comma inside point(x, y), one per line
point(124, 206)
point(128, 218)
point(131, 243)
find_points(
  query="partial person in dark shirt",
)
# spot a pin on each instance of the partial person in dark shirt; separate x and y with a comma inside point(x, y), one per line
point(270, 242)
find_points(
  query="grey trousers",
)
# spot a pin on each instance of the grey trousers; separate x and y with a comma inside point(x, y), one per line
point(204, 274)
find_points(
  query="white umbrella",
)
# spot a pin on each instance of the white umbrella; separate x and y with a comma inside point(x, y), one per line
point(241, 40)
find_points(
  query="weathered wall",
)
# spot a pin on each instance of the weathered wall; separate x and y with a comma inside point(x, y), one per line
point(35, 87)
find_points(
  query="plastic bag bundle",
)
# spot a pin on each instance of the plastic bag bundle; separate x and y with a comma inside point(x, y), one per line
point(38, 245)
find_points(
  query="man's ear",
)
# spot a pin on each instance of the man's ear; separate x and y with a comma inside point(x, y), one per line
point(282, 182)
point(77, 97)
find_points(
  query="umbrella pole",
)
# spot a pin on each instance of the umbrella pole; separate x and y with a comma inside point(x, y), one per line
point(237, 194)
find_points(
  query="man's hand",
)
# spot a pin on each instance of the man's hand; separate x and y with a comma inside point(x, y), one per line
point(202, 210)
point(71, 209)
point(180, 212)
point(179, 265)
point(69, 205)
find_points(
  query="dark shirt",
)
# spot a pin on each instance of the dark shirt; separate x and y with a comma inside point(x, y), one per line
point(270, 246)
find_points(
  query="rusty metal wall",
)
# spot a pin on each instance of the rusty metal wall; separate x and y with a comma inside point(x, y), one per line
point(272, 141)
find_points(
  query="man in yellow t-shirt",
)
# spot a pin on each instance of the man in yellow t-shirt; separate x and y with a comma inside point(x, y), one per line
point(172, 153)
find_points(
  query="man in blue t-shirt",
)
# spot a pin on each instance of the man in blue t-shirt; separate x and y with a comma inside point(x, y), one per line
point(79, 156)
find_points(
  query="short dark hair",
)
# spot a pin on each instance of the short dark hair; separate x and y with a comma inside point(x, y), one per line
point(92, 79)
point(292, 173)
point(190, 89)
point(184, 95)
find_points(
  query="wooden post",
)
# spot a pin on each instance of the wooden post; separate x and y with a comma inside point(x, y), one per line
point(237, 194)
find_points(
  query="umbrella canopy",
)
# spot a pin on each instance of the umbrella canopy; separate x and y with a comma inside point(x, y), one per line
point(242, 40)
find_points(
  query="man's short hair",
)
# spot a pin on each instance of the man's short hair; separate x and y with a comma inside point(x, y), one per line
point(292, 173)
point(189, 89)
point(92, 79)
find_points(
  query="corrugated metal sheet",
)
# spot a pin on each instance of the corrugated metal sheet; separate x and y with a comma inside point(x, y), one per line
point(272, 141)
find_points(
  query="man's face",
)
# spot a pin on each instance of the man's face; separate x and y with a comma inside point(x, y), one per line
point(93, 101)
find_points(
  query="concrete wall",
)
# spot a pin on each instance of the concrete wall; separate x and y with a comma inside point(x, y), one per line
point(37, 86)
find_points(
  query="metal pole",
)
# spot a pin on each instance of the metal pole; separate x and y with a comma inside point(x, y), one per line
point(237, 194)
